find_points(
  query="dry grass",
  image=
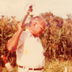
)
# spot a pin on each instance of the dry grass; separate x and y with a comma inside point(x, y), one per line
point(57, 66)
point(14, 70)
point(51, 66)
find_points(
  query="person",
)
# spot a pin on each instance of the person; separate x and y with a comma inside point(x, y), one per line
point(28, 47)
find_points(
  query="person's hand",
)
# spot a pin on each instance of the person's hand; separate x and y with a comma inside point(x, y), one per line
point(20, 27)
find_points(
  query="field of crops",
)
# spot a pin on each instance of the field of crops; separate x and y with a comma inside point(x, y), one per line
point(57, 41)
point(50, 66)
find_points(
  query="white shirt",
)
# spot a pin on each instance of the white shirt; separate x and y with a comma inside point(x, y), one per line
point(30, 51)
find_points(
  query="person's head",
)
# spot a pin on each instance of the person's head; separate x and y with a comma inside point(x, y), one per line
point(37, 26)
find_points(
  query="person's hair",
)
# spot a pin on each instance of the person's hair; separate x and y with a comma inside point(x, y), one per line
point(36, 18)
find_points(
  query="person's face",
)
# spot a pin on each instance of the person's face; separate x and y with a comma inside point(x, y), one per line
point(39, 28)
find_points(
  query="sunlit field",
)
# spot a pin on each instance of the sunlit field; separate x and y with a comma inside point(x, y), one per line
point(56, 41)
point(57, 66)
point(50, 66)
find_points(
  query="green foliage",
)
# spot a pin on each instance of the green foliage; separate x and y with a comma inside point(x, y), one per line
point(57, 39)
point(7, 30)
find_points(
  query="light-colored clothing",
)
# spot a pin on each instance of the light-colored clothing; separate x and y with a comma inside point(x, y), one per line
point(24, 70)
point(30, 51)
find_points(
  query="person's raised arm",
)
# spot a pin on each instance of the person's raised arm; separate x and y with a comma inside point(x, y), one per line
point(13, 42)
